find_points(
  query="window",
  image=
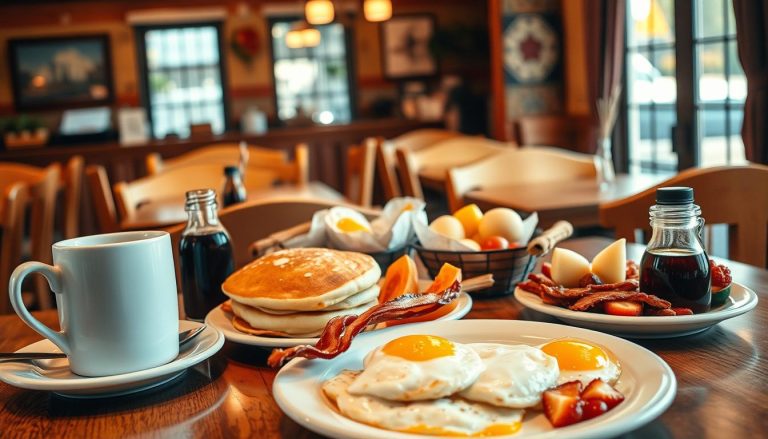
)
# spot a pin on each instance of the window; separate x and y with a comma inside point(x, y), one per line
point(182, 77)
point(311, 82)
point(685, 87)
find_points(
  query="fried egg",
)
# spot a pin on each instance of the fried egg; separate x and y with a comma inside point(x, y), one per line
point(441, 417)
point(583, 361)
point(417, 367)
point(515, 376)
point(345, 220)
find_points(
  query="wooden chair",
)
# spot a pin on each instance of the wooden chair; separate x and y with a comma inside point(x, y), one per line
point(522, 166)
point(360, 168)
point(386, 158)
point(102, 199)
point(432, 162)
point(43, 186)
point(574, 133)
point(259, 158)
point(733, 195)
point(176, 181)
point(14, 199)
point(73, 190)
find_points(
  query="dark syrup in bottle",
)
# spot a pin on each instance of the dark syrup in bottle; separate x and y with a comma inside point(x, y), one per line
point(206, 262)
point(679, 276)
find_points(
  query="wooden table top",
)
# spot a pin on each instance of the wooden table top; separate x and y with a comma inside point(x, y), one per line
point(576, 201)
point(722, 383)
point(166, 212)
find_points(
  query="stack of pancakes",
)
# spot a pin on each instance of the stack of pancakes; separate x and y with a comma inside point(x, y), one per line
point(295, 292)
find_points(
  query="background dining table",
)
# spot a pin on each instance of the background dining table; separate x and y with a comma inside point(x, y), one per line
point(721, 373)
point(576, 201)
point(165, 212)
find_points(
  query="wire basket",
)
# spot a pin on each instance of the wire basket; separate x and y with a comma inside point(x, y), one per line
point(508, 266)
point(385, 259)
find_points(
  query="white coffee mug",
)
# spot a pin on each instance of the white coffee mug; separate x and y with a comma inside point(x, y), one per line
point(116, 299)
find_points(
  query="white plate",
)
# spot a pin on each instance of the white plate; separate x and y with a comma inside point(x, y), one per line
point(54, 375)
point(646, 380)
point(223, 322)
point(742, 299)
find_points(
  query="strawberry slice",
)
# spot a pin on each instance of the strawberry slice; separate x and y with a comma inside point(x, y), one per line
point(546, 269)
point(562, 405)
point(623, 308)
point(599, 389)
point(594, 408)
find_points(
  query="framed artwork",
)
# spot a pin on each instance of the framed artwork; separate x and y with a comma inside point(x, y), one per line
point(405, 46)
point(60, 72)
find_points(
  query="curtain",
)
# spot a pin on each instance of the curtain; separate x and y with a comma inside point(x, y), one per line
point(752, 39)
point(604, 36)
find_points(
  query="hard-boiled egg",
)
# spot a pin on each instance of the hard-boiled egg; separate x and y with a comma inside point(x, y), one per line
point(568, 267)
point(501, 222)
point(449, 226)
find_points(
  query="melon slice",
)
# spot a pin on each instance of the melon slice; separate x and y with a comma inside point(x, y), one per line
point(445, 278)
point(402, 278)
point(568, 267)
point(610, 265)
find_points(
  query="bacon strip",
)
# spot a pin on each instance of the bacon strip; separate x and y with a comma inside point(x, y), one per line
point(540, 278)
point(595, 299)
point(339, 332)
point(627, 285)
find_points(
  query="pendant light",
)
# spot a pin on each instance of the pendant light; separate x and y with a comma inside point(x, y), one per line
point(377, 10)
point(302, 36)
point(319, 11)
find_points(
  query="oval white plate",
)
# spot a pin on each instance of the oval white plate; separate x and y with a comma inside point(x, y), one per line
point(54, 375)
point(742, 299)
point(646, 381)
point(222, 321)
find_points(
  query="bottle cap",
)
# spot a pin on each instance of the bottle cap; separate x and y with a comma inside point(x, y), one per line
point(674, 195)
point(231, 170)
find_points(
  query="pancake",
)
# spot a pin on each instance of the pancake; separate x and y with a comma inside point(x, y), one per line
point(301, 323)
point(353, 301)
point(302, 279)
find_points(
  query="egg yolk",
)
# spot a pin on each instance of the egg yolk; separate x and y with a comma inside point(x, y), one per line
point(576, 355)
point(419, 347)
point(350, 225)
point(492, 430)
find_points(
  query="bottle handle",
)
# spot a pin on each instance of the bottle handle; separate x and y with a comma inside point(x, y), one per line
point(53, 275)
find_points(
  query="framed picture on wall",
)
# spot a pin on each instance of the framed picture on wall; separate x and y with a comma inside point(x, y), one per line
point(60, 72)
point(405, 46)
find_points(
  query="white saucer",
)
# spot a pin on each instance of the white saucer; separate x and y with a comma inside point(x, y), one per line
point(741, 300)
point(54, 375)
point(222, 321)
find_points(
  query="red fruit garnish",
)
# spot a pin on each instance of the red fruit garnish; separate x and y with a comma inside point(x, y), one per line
point(593, 408)
point(683, 311)
point(494, 243)
point(721, 275)
point(546, 269)
point(623, 308)
point(599, 389)
point(562, 405)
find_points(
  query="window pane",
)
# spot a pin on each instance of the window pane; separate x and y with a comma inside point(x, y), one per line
point(312, 82)
point(184, 79)
point(710, 20)
point(713, 84)
point(650, 21)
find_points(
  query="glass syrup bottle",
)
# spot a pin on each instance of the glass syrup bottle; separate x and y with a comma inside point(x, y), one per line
point(675, 266)
point(206, 255)
point(234, 190)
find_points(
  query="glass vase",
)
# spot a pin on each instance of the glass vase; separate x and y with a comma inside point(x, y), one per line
point(604, 157)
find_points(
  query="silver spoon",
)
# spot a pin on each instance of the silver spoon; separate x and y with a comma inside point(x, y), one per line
point(184, 338)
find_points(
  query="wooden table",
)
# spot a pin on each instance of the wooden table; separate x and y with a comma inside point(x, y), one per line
point(721, 373)
point(162, 213)
point(576, 201)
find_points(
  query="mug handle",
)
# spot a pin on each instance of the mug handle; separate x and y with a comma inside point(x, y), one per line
point(53, 275)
